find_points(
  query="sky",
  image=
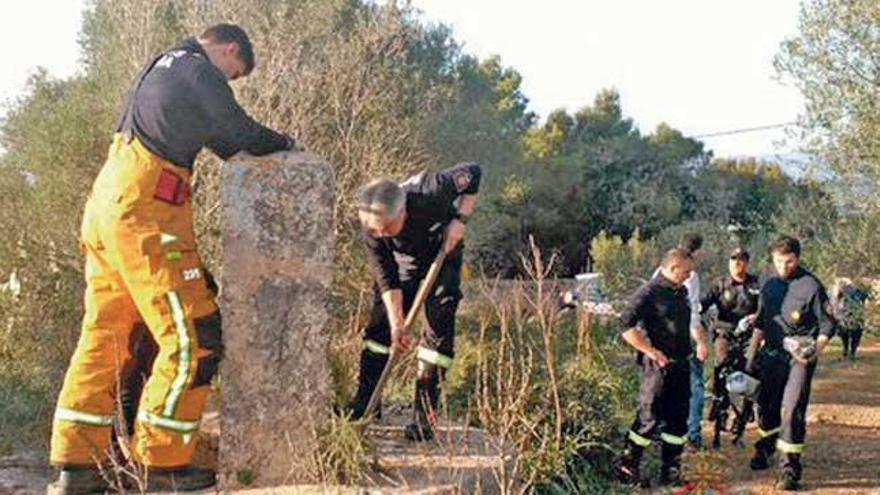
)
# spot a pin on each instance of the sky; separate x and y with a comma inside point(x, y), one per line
point(702, 66)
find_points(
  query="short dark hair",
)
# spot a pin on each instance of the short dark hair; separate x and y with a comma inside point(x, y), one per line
point(786, 245)
point(230, 33)
point(691, 243)
point(675, 256)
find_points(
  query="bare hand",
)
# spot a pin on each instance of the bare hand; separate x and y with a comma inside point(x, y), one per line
point(401, 338)
point(658, 357)
point(702, 352)
point(454, 234)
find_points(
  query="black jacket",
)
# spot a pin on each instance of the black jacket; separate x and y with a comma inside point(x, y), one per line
point(733, 299)
point(181, 102)
point(664, 311)
point(796, 306)
point(430, 198)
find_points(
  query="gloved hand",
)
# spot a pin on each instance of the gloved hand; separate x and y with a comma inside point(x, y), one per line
point(744, 325)
point(802, 349)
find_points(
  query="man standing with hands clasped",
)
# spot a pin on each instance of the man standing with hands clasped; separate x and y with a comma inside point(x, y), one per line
point(661, 307)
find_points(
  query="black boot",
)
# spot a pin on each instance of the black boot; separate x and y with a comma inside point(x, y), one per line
point(186, 479)
point(763, 451)
point(790, 472)
point(79, 481)
point(627, 466)
point(426, 403)
point(372, 365)
point(670, 470)
point(788, 480)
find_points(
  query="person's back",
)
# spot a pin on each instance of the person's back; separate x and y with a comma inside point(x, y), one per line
point(181, 102)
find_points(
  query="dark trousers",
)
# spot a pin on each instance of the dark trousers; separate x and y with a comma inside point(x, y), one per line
point(851, 338)
point(664, 396)
point(782, 406)
point(438, 338)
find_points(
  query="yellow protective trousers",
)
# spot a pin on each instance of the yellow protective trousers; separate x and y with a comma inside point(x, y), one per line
point(142, 268)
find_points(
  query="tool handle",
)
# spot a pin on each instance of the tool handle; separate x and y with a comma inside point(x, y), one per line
point(425, 288)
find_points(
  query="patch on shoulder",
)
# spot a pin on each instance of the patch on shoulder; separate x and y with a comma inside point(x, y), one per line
point(462, 180)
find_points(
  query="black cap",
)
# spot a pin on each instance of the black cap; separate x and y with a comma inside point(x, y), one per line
point(739, 254)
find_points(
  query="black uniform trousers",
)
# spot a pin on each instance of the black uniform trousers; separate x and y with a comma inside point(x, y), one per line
point(850, 336)
point(782, 405)
point(664, 397)
point(438, 337)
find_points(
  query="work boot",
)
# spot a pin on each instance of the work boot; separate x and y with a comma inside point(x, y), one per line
point(760, 461)
point(627, 467)
point(694, 445)
point(79, 481)
point(185, 479)
point(764, 449)
point(788, 480)
point(426, 403)
point(372, 365)
point(670, 468)
point(671, 476)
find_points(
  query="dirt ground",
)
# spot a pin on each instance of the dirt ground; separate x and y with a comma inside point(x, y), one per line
point(842, 453)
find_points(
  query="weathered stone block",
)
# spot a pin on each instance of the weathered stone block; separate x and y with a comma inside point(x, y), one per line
point(276, 274)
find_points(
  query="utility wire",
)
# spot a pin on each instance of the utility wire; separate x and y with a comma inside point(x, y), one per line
point(742, 131)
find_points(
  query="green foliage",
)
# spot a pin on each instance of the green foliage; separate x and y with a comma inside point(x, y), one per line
point(833, 61)
point(624, 265)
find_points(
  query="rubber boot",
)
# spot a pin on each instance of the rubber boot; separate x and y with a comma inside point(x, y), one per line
point(79, 481)
point(426, 403)
point(372, 365)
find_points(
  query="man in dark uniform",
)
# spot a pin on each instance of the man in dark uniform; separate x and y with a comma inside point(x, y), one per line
point(145, 283)
point(849, 308)
point(736, 298)
point(661, 307)
point(404, 228)
point(795, 323)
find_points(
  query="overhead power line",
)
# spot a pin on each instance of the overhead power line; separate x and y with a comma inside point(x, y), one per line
point(742, 131)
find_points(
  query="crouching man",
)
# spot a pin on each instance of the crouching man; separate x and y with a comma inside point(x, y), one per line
point(404, 228)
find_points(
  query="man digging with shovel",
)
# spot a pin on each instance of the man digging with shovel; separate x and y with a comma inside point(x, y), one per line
point(405, 226)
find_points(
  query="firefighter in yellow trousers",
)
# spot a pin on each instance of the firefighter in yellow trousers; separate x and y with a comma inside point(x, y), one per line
point(142, 267)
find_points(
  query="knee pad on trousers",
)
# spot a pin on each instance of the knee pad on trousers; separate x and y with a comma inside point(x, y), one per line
point(208, 333)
